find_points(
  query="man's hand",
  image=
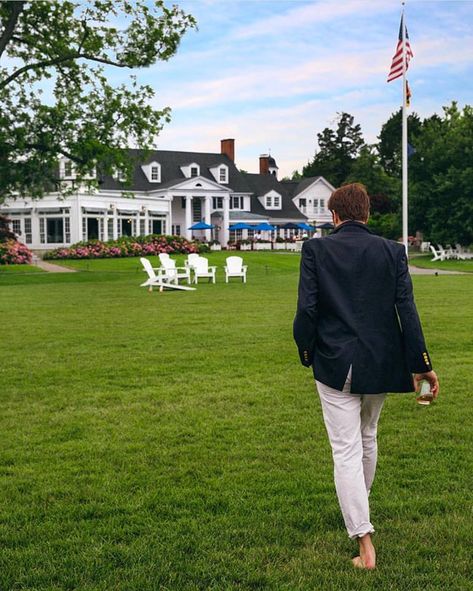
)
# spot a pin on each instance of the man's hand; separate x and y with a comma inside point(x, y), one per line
point(433, 380)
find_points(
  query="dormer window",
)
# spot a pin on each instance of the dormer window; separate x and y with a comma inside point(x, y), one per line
point(194, 171)
point(67, 168)
point(155, 173)
point(272, 200)
point(152, 172)
point(222, 175)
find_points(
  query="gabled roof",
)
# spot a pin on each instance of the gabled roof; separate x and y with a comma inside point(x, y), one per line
point(261, 184)
point(296, 187)
point(171, 173)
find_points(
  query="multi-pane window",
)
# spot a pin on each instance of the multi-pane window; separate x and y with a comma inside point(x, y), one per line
point(196, 210)
point(269, 201)
point(142, 226)
point(322, 204)
point(67, 229)
point(28, 232)
point(223, 175)
point(217, 202)
point(110, 226)
point(16, 227)
point(316, 203)
point(54, 229)
point(176, 229)
point(236, 202)
point(277, 201)
point(194, 171)
point(67, 168)
point(155, 173)
point(42, 233)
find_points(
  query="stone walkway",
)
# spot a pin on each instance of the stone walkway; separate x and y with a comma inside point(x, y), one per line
point(50, 267)
point(419, 271)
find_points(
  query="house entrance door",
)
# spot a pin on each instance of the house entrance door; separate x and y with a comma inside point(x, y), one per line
point(92, 229)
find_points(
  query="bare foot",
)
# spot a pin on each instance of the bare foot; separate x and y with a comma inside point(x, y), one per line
point(367, 557)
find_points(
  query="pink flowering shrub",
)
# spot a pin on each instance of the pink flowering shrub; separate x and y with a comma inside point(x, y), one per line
point(127, 246)
point(14, 253)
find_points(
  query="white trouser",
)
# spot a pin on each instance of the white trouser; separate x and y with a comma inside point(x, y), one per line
point(351, 421)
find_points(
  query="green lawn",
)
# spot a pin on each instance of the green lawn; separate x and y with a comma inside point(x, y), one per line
point(7, 269)
point(425, 262)
point(172, 441)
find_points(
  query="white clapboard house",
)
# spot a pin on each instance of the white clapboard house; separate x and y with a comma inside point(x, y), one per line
point(171, 190)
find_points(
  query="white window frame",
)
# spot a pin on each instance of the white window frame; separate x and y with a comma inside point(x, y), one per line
point(217, 203)
point(66, 226)
point(223, 175)
point(237, 199)
point(154, 172)
point(68, 171)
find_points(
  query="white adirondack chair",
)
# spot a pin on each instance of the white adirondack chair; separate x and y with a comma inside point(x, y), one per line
point(168, 267)
point(189, 262)
point(160, 279)
point(444, 255)
point(463, 253)
point(437, 255)
point(235, 268)
point(201, 268)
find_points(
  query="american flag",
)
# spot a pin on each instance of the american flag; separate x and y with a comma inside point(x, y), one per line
point(396, 64)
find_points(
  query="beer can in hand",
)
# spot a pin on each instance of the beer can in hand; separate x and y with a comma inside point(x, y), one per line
point(425, 396)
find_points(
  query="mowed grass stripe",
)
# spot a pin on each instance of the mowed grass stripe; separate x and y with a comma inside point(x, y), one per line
point(173, 441)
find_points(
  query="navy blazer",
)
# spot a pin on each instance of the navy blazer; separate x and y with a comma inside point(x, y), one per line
point(356, 308)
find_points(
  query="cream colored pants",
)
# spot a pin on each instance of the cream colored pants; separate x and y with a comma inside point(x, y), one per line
point(351, 421)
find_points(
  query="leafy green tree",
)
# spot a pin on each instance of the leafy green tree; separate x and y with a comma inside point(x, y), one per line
point(367, 169)
point(83, 117)
point(384, 192)
point(441, 172)
point(5, 232)
point(338, 150)
point(390, 139)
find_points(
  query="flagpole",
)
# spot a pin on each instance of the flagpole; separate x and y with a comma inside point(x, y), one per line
point(404, 137)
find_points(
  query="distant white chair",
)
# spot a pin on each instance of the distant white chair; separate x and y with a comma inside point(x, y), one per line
point(235, 268)
point(189, 262)
point(168, 268)
point(160, 279)
point(437, 254)
point(463, 253)
point(201, 268)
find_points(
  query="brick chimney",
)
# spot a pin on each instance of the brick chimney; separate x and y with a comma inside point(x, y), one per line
point(227, 147)
point(264, 164)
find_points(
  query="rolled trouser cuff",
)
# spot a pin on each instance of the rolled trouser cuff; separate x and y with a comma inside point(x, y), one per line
point(361, 530)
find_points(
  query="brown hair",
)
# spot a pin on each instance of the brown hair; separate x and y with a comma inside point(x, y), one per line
point(350, 202)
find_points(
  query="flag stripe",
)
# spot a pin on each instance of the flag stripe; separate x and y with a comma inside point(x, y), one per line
point(397, 62)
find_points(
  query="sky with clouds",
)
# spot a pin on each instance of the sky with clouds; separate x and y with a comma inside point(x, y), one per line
point(274, 73)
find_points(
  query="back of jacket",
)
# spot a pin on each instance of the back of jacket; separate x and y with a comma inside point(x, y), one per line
point(356, 308)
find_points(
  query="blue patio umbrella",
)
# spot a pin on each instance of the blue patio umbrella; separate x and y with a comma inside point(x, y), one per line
point(307, 227)
point(290, 226)
point(241, 226)
point(264, 227)
point(201, 226)
point(326, 226)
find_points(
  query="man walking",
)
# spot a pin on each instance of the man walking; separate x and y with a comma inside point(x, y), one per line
point(357, 326)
